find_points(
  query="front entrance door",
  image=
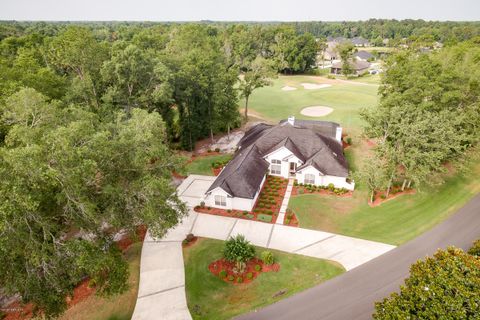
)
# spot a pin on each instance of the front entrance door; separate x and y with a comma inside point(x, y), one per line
point(293, 166)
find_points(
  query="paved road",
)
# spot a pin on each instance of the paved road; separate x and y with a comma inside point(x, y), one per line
point(352, 295)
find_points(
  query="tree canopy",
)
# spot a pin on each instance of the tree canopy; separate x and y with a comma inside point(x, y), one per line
point(444, 286)
point(70, 180)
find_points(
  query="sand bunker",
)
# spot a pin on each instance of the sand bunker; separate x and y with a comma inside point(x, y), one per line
point(288, 88)
point(313, 86)
point(316, 111)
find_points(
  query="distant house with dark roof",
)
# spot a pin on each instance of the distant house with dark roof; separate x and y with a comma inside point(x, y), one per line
point(309, 151)
point(360, 42)
point(363, 55)
point(359, 67)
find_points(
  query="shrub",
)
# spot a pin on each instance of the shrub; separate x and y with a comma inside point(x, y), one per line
point(230, 278)
point(383, 196)
point(264, 217)
point(258, 267)
point(202, 204)
point(239, 280)
point(217, 149)
point(209, 150)
point(300, 191)
point(287, 220)
point(228, 210)
point(475, 249)
point(245, 213)
point(239, 250)
point(222, 274)
point(250, 216)
point(349, 140)
point(208, 208)
point(273, 202)
point(268, 258)
point(269, 212)
point(295, 183)
point(331, 186)
point(249, 276)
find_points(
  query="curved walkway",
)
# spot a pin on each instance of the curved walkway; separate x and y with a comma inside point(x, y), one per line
point(352, 295)
point(162, 280)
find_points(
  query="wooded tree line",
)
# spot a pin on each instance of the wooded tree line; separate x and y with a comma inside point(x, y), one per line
point(428, 116)
point(188, 73)
point(376, 30)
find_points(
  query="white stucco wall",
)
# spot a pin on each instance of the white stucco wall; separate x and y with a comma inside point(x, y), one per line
point(280, 154)
point(324, 180)
point(233, 203)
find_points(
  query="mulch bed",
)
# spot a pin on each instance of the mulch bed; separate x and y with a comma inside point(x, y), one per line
point(320, 191)
point(217, 266)
point(186, 244)
point(394, 193)
point(266, 193)
point(293, 220)
point(19, 311)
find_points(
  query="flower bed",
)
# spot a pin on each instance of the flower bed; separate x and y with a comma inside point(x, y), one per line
point(266, 208)
point(329, 190)
point(290, 219)
point(225, 270)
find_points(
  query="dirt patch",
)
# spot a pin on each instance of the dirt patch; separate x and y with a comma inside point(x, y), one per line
point(288, 88)
point(315, 86)
point(316, 111)
point(231, 277)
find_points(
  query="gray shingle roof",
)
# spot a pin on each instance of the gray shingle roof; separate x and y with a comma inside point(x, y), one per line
point(357, 64)
point(311, 141)
point(365, 55)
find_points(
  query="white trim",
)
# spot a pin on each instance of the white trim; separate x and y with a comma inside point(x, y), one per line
point(220, 188)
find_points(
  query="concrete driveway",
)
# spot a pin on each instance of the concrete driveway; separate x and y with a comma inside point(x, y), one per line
point(193, 188)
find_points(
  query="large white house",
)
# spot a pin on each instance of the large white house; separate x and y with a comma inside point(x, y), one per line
point(309, 151)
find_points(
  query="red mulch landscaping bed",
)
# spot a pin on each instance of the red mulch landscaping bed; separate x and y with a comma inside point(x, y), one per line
point(217, 266)
point(290, 219)
point(268, 203)
point(394, 193)
point(319, 191)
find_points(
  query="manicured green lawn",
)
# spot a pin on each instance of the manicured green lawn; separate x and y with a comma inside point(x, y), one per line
point(346, 99)
point(115, 308)
point(203, 165)
point(211, 298)
point(395, 221)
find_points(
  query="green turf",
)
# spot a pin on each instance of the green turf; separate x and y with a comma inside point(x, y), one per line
point(395, 221)
point(211, 298)
point(273, 104)
point(203, 165)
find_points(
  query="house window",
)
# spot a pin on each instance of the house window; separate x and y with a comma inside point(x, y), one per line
point(221, 201)
point(309, 178)
point(276, 167)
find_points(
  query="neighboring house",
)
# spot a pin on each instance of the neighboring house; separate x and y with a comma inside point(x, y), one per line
point(363, 55)
point(359, 67)
point(360, 42)
point(331, 54)
point(309, 151)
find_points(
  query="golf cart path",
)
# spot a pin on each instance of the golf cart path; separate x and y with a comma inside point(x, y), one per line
point(352, 295)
